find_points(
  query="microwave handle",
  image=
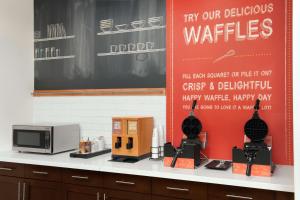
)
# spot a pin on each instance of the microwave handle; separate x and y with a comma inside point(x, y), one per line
point(47, 140)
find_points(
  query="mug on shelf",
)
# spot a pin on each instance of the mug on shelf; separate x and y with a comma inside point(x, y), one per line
point(113, 48)
point(140, 46)
point(122, 47)
point(149, 45)
point(131, 47)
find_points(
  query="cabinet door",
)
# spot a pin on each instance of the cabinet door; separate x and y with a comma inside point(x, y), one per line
point(10, 188)
point(11, 169)
point(123, 195)
point(82, 177)
point(210, 197)
point(179, 189)
point(41, 190)
point(130, 183)
point(220, 192)
point(165, 198)
point(284, 196)
point(73, 192)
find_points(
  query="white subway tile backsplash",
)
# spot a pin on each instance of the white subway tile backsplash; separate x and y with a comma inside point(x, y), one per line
point(94, 113)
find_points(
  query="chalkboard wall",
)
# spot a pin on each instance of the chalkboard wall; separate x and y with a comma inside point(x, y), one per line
point(78, 46)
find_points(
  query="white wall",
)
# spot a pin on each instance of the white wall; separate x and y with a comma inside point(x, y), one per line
point(296, 86)
point(94, 113)
point(16, 65)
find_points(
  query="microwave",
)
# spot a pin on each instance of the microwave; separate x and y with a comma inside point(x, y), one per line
point(46, 138)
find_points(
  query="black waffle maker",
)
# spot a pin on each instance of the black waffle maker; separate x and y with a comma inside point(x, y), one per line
point(256, 151)
point(189, 148)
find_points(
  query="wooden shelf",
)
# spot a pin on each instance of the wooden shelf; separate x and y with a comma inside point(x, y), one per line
point(131, 52)
point(131, 30)
point(102, 92)
point(54, 58)
point(54, 38)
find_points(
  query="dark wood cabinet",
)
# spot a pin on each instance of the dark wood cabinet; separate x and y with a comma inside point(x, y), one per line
point(220, 192)
point(10, 188)
point(11, 175)
point(75, 192)
point(179, 189)
point(42, 173)
point(154, 197)
point(41, 190)
point(81, 185)
point(82, 177)
point(284, 196)
point(130, 183)
point(31, 182)
point(11, 169)
point(281, 196)
point(16, 189)
point(124, 195)
point(41, 183)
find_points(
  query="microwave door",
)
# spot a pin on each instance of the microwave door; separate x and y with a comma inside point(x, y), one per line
point(32, 141)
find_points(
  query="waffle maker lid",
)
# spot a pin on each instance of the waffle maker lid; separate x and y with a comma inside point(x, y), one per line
point(256, 129)
point(191, 126)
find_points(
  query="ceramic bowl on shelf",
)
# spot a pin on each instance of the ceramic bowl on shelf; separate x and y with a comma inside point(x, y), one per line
point(106, 25)
point(106, 21)
point(138, 24)
point(105, 29)
point(122, 27)
point(37, 34)
point(113, 48)
point(149, 45)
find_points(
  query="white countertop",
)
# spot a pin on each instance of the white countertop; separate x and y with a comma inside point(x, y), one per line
point(282, 179)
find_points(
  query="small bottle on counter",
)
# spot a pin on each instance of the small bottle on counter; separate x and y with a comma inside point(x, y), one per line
point(88, 146)
point(82, 146)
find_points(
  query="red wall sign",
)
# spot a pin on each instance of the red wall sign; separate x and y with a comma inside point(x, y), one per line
point(226, 54)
